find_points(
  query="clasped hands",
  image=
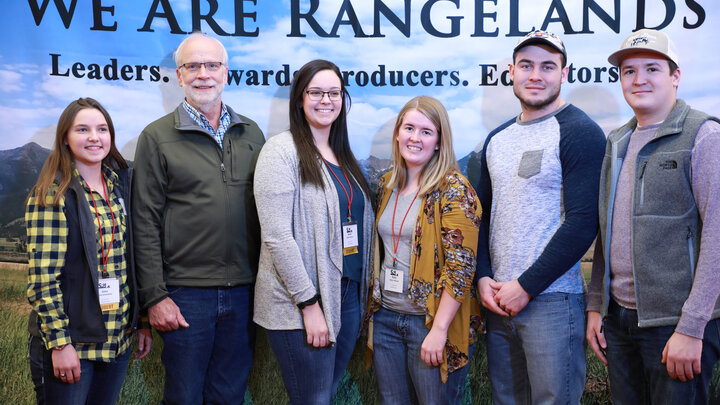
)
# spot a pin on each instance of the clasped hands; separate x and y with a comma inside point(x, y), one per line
point(506, 298)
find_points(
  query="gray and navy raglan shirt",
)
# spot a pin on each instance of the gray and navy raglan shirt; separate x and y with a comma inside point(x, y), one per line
point(538, 184)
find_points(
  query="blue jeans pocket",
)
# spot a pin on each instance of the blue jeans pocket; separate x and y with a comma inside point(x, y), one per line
point(551, 297)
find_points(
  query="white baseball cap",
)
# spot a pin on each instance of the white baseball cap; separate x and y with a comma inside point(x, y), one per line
point(645, 40)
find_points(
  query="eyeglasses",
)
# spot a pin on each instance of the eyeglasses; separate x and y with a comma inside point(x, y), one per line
point(317, 95)
point(195, 66)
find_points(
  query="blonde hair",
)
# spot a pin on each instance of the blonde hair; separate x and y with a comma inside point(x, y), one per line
point(442, 161)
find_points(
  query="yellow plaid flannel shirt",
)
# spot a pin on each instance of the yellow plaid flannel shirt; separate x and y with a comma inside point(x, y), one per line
point(47, 232)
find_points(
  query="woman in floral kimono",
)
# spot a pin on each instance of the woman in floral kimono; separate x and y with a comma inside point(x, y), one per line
point(423, 313)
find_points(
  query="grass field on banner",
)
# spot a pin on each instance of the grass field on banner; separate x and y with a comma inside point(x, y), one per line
point(144, 381)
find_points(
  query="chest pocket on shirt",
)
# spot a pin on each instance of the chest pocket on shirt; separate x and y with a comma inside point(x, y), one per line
point(530, 163)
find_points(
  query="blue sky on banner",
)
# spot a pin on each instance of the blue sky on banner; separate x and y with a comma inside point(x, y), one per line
point(37, 85)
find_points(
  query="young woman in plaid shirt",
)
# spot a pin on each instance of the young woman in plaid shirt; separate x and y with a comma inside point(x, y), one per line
point(81, 283)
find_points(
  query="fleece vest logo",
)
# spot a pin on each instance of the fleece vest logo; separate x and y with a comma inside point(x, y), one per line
point(669, 165)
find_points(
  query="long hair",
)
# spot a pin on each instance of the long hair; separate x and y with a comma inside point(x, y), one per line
point(310, 169)
point(442, 161)
point(60, 160)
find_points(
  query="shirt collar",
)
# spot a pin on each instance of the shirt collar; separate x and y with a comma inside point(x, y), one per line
point(201, 120)
point(111, 178)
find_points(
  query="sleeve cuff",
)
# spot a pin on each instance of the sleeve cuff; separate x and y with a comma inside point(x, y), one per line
point(594, 302)
point(144, 321)
point(152, 295)
point(528, 287)
point(57, 339)
point(457, 293)
point(304, 295)
point(691, 325)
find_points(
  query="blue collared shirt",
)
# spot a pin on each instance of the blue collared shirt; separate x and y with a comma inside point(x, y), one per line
point(200, 119)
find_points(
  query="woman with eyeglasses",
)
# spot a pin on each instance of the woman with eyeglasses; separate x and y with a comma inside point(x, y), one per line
point(423, 311)
point(316, 224)
point(81, 280)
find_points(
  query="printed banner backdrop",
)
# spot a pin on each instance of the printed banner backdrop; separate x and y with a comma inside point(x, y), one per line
point(120, 52)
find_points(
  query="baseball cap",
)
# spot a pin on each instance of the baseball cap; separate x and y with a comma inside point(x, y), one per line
point(541, 37)
point(645, 40)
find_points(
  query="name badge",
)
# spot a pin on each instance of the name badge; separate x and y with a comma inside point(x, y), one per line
point(109, 293)
point(350, 238)
point(394, 280)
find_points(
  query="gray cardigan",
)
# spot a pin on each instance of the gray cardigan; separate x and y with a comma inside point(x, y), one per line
point(301, 251)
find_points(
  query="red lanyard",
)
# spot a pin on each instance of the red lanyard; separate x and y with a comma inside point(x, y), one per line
point(349, 196)
point(100, 229)
point(395, 242)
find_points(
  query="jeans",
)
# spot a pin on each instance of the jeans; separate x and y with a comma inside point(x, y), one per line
point(538, 356)
point(100, 382)
point(402, 376)
point(209, 362)
point(311, 375)
point(637, 375)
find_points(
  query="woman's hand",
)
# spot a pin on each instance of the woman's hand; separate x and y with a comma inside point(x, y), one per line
point(315, 325)
point(66, 364)
point(144, 337)
point(433, 347)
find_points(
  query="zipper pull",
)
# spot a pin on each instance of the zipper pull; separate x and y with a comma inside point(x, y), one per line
point(690, 233)
point(642, 171)
point(222, 170)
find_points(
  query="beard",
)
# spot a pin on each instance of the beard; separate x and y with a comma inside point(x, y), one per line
point(538, 104)
point(200, 100)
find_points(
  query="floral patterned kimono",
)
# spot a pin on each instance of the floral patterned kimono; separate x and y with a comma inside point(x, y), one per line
point(442, 257)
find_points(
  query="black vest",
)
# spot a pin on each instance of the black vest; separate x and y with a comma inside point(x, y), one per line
point(79, 280)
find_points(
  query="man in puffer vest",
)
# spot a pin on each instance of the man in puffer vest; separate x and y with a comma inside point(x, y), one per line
point(655, 275)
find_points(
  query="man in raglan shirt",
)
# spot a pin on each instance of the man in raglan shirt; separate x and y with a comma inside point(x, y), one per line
point(537, 178)
point(655, 271)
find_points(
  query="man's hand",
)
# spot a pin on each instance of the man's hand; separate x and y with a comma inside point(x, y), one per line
point(511, 297)
point(595, 335)
point(316, 328)
point(681, 355)
point(66, 364)
point(144, 337)
point(487, 288)
point(165, 316)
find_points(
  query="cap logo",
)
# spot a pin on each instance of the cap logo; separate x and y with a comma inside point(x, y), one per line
point(640, 41)
point(540, 36)
point(647, 39)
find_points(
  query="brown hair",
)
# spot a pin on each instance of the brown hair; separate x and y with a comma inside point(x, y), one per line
point(310, 170)
point(59, 163)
